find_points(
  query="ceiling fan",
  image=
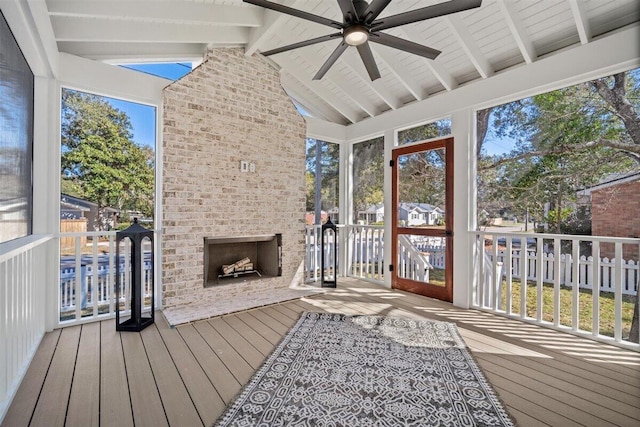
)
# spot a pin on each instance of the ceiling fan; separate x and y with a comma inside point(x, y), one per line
point(360, 26)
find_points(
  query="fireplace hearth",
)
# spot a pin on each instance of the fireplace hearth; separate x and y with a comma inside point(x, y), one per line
point(239, 259)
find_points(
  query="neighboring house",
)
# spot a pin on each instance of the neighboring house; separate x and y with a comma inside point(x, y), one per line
point(420, 214)
point(373, 214)
point(77, 208)
point(615, 208)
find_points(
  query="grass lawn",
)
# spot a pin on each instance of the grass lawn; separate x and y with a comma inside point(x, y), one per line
point(585, 313)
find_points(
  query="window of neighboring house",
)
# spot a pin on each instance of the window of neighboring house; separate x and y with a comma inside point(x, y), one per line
point(439, 128)
point(16, 140)
point(323, 171)
point(368, 174)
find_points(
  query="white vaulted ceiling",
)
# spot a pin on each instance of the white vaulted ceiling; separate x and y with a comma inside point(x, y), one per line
point(475, 44)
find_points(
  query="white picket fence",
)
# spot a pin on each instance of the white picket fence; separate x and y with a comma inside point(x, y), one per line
point(630, 271)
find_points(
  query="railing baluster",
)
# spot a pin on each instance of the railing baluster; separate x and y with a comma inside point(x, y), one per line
point(595, 288)
point(510, 270)
point(523, 277)
point(617, 332)
point(112, 274)
point(575, 284)
point(539, 278)
point(77, 297)
point(556, 280)
point(95, 287)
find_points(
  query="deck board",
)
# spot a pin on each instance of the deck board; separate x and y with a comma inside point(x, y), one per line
point(175, 397)
point(21, 410)
point(234, 361)
point(145, 397)
point(51, 408)
point(186, 375)
point(84, 402)
point(206, 399)
point(115, 404)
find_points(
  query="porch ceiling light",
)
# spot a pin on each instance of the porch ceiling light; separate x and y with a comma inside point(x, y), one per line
point(355, 35)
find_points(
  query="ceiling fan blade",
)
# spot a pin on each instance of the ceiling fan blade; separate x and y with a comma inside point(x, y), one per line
point(349, 13)
point(302, 44)
point(369, 62)
point(373, 10)
point(428, 12)
point(402, 44)
point(332, 59)
point(295, 12)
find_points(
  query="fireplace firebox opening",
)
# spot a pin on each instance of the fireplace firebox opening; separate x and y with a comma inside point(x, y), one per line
point(234, 259)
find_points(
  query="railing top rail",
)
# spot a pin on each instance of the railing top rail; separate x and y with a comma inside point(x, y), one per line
point(15, 247)
point(92, 233)
point(557, 236)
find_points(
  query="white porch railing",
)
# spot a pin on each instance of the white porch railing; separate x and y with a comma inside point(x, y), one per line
point(412, 263)
point(569, 285)
point(23, 310)
point(88, 276)
point(365, 258)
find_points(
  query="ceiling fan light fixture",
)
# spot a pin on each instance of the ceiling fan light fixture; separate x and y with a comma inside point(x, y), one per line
point(355, 35)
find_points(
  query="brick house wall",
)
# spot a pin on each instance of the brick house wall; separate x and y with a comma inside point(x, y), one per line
point(230, 108)
point(616, 212)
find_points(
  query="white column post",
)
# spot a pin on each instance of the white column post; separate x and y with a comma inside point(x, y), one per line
point(46, 188)
point(390, 141)
point(345, 203)
point(465, 252)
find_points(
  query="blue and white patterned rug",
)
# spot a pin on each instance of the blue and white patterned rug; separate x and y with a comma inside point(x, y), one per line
point(338, 370)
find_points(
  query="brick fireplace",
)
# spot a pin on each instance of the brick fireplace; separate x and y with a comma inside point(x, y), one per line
point(233, 166)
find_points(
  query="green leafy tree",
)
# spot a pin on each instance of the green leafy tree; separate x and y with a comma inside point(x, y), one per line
point(100, 162)
point(368, 175)
point(566, 140)
point(329, 173)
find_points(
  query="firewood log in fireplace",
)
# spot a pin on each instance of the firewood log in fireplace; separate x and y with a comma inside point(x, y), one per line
point(244, 264)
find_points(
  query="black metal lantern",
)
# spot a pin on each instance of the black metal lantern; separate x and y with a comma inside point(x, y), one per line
point(130, 301)
point(329, 255)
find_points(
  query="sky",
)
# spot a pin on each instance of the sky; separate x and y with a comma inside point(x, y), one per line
point(143, 117)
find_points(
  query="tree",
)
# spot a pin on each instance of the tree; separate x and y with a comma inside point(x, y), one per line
point(100, 162)
point(329, 174)
point(567, 139)
point(368, 174)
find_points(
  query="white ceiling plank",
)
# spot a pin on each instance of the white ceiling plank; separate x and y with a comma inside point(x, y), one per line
point(603, 56)
point(297, 90)
point(272, 21)
point(316, 87)
point(518, 30)
point(165, 11)
point(77, 29)
point(303, 103)
point(377, 86)
point(325, 131)
point(38, 9)
point(401, 74)
point(316, 62)
point(582, 22)
point(122, 53)
point(469, 45)
point(18, 16)
point(437, 69)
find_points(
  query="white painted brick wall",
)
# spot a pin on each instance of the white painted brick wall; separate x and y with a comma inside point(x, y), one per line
point(230, 108)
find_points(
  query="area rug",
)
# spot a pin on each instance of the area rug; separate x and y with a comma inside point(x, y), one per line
point(338, 370)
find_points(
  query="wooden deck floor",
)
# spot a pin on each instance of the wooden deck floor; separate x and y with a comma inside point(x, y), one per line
point(91, 375)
